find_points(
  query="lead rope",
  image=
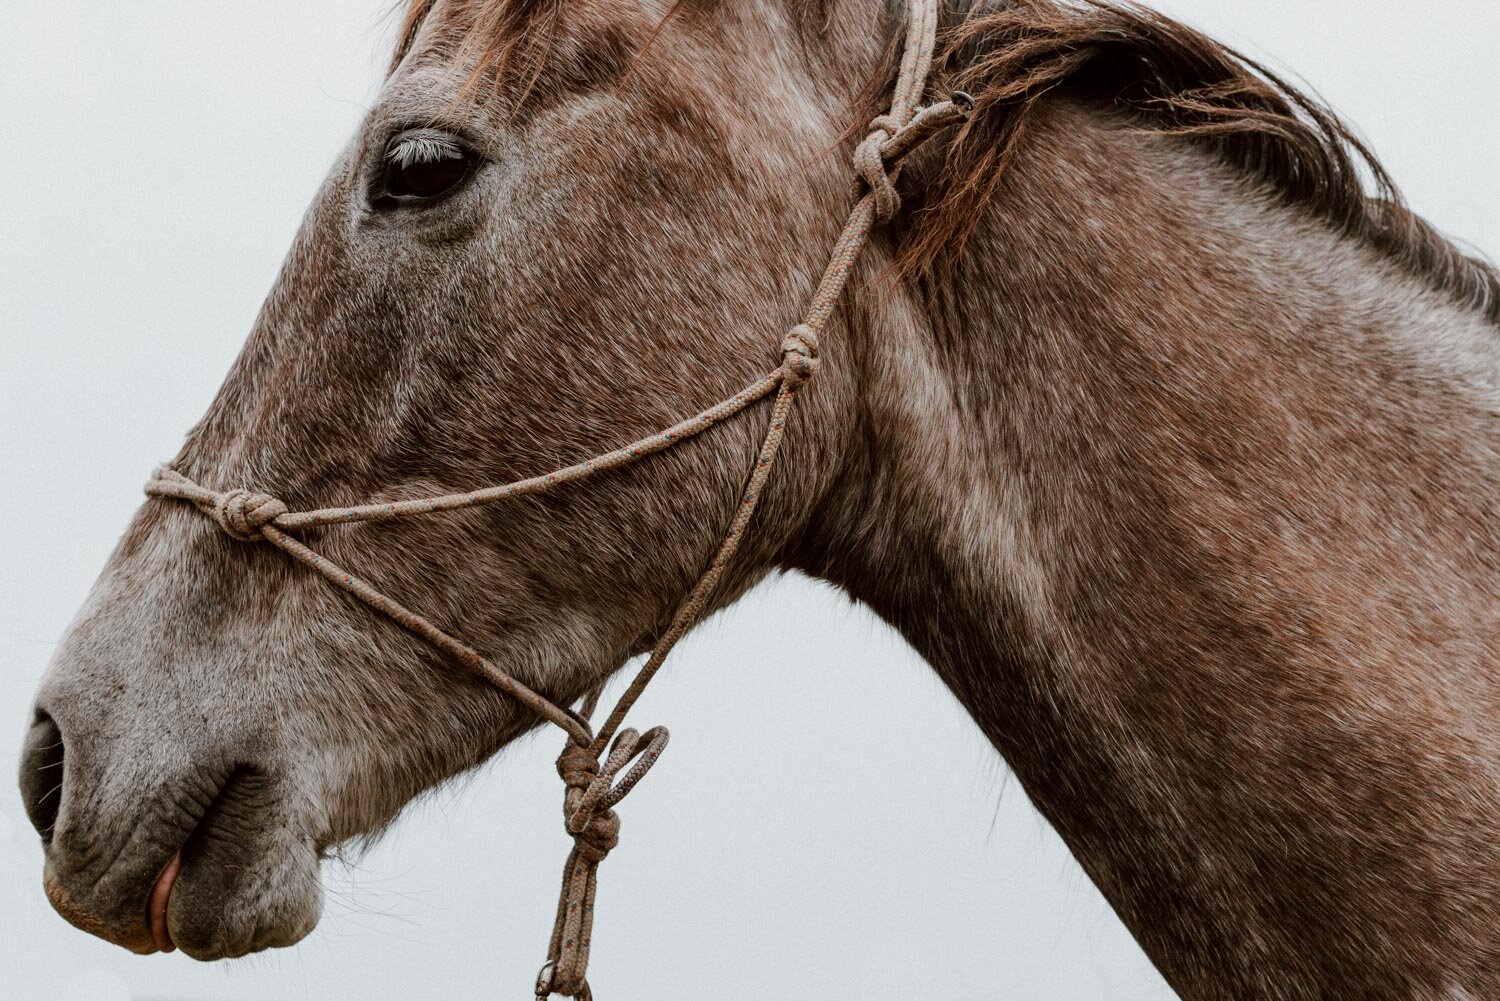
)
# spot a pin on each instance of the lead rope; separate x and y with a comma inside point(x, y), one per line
point(594, 781)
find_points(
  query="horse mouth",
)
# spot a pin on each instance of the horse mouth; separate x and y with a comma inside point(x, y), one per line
point(159, 900)
point(141, 929)
point(237, 881)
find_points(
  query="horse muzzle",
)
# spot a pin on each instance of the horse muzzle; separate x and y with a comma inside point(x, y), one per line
point(153, 847)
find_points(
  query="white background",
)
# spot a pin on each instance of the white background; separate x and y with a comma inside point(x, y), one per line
point(156, 159)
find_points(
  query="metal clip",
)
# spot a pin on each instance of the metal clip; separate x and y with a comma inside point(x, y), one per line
point(544, 980)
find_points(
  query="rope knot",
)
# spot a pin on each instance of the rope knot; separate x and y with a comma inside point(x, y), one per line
point(869, 164)
point(799, 355)
point(577, 766)
point(598, 837)
point(241, 513)
point(595, 827)
point(594, 787)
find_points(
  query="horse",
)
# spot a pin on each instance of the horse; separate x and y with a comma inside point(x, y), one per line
point(1154, 421)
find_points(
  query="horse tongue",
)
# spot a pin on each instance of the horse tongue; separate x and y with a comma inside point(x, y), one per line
point(156, 909)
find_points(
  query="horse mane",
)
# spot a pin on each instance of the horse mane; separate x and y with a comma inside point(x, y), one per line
point(1177, 81)
point(1172, 79)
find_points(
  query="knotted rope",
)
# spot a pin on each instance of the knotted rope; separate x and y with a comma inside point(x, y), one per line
point(589, 816)
point(588, 774)
point(242, 513)
point(869, 165)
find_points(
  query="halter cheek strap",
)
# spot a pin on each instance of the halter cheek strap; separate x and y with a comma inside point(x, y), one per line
point(596, 781)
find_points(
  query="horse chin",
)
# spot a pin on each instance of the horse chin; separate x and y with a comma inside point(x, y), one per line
point(219, 913)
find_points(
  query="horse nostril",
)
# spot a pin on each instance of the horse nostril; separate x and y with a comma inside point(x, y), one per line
point(42, 774)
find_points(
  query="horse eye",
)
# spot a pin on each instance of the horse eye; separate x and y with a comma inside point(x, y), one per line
point(425, 164)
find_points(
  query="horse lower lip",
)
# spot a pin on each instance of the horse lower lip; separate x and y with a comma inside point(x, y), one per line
point(156, 909)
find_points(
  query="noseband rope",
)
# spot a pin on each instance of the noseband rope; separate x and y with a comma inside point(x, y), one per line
point(595, 780)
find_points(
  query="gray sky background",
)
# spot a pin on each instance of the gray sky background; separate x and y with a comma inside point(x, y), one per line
point(158, 159)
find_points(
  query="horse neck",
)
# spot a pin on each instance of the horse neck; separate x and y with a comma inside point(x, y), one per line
point(1133, 483)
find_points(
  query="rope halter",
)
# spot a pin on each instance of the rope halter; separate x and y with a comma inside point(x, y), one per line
point(595, 782)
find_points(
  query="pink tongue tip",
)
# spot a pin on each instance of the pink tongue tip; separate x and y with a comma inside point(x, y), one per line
point(156, 910)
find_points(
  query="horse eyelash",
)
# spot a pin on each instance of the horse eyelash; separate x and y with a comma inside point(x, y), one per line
point(425, 146)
